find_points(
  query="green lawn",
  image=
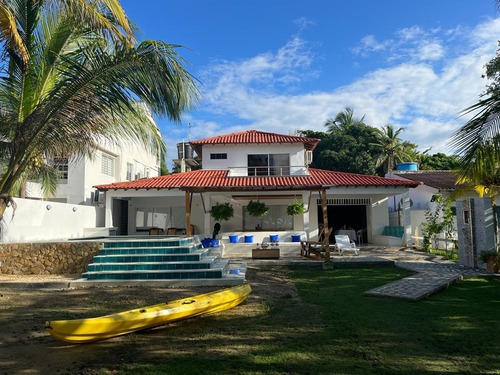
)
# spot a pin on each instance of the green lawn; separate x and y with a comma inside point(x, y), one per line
point(333, 329)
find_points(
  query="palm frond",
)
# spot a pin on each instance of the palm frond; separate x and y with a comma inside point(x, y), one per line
point(94, 14)
point(10, 34)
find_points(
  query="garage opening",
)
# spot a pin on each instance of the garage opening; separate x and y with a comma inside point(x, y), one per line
point(346, 216)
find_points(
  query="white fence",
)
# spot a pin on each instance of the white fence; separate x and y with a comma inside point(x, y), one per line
point(36, 220)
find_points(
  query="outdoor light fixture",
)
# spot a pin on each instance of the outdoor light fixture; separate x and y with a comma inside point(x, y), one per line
point(75, 209)
point(48, 207)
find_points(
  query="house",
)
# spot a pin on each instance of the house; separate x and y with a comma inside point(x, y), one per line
point(255, 165)
point(111, 162)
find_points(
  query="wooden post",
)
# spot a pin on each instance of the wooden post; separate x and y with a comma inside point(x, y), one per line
point(325, 224)
point(188, 214)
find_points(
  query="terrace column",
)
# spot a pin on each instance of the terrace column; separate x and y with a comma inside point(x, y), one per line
point(207, 204)
point(108, 210)
point(407, 219)
point(188, 214)
point(325, 223)
point(306, 216)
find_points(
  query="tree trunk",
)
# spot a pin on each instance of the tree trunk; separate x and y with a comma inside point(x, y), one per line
point(5, 199)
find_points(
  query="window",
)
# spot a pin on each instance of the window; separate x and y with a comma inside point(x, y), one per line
point(129, 172)
point(218, 156)
point(61, 164)
point(268, 164)
point(107, 165)
point(276, 219)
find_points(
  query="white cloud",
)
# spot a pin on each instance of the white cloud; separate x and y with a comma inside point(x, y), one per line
point(430, 51)
point(261, 92)
point(303, 23)
point(369, 44)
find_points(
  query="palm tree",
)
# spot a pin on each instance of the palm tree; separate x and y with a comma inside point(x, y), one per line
point(391, 148)
point(14, 20)
point(343, 120)
point(79, 87)
point(481, 173)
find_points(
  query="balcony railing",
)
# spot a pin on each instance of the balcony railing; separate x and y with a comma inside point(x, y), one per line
point(267, 171)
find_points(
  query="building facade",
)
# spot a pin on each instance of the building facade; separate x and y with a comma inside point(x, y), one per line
point(254, 165)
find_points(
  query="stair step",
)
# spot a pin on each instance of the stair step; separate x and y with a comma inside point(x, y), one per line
point(196, 255)
point(149, 243)
point(219, 271)
point(150, 250)
point(207, 263)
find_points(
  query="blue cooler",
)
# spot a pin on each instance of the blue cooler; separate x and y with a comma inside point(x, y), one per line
point(274, 238)
point(209, 242)
point(249, 239)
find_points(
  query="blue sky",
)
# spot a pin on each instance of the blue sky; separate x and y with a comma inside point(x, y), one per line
point(285, 65)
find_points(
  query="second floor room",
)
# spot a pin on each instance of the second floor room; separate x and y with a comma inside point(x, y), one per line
point(256, 153)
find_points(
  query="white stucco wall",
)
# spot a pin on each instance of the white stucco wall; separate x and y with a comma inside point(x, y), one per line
point(237, 154)
point(85, 172)
point(34, 222)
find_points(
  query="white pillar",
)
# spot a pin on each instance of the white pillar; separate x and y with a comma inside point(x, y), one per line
point(108, 209)
point(305, 200)
point(207, 201)
point(407, 219)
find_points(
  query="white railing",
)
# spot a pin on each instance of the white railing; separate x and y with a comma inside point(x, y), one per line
point(267, 171)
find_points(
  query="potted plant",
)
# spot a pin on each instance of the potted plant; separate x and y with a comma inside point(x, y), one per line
point(257, 209)
point(222, 211)
point(295, 208)
point(491, 258)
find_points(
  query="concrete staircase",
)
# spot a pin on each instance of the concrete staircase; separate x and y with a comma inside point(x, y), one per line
point(163, 261)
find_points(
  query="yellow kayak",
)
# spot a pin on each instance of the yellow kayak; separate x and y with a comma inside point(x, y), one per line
point(104, 327)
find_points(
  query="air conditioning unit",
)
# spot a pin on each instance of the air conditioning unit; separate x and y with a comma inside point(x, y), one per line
point(308, 157)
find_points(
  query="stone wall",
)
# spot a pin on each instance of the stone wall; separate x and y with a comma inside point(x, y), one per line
point(49, 258)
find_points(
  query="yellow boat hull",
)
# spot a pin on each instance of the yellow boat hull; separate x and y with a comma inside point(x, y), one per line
point(105, 327)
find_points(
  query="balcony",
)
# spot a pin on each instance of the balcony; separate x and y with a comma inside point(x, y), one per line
point(269, 171)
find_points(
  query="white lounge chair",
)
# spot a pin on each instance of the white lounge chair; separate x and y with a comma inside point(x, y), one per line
point(343, 243)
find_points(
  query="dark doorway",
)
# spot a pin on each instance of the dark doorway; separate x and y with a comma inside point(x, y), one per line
point(344, 217)
point(120, 216)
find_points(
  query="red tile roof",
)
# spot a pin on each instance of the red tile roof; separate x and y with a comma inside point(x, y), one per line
point(253, 136)
point(218, 180)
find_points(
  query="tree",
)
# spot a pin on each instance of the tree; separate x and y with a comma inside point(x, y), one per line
point(476, 144)
point(391, 148)
point(438, 161)
point(481, 173)
point(484, 126)
point(343, 121)
point(76, 83)
point(346, 150)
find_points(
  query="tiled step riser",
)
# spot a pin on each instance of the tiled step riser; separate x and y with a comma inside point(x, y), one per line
point(205, 274)
point(192, 257)
point(125, 244)
point(150, 251)
point(148, 267)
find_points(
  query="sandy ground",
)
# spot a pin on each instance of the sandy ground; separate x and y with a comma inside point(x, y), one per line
point(26, 348)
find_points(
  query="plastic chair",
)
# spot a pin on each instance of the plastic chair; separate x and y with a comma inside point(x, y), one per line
point(343, 243)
